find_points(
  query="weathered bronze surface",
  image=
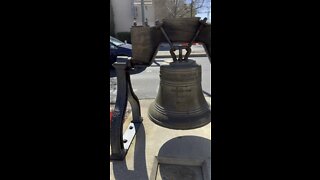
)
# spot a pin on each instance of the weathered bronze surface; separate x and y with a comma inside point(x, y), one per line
point(180, 103)
point(146, 40)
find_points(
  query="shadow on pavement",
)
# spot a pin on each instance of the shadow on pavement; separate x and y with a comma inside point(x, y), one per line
point(120, 168)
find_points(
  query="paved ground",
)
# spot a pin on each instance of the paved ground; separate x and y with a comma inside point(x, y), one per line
point(180, 153)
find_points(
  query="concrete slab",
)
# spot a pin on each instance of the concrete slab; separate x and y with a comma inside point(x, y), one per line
point(170, 146)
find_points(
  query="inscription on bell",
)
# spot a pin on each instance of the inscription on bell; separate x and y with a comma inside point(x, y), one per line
point(182, 77)
point(180, 103)
point(181, 97)
point(181, 90)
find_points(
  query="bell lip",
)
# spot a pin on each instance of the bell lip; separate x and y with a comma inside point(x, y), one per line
point(161, 110)
point(177, 126)
point(198, 123)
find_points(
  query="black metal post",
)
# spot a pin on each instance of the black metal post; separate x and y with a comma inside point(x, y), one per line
point(120, 142)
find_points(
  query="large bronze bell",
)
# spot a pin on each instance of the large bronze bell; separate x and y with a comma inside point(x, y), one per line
point(180, 103)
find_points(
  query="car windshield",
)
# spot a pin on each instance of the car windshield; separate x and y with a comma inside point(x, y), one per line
point(116, 41)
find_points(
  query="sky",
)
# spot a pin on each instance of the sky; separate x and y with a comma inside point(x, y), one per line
point(203, 12)
point(203, 15)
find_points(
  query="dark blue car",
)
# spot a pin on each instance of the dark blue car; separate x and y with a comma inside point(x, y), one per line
point(119, 48)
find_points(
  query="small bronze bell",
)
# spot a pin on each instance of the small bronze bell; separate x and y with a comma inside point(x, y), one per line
point(180, 103)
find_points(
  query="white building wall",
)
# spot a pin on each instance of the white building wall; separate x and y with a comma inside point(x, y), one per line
point(148, 13)
point(126, 10)
point(123, 15)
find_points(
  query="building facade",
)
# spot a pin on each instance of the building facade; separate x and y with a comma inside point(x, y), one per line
point(125, 12)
